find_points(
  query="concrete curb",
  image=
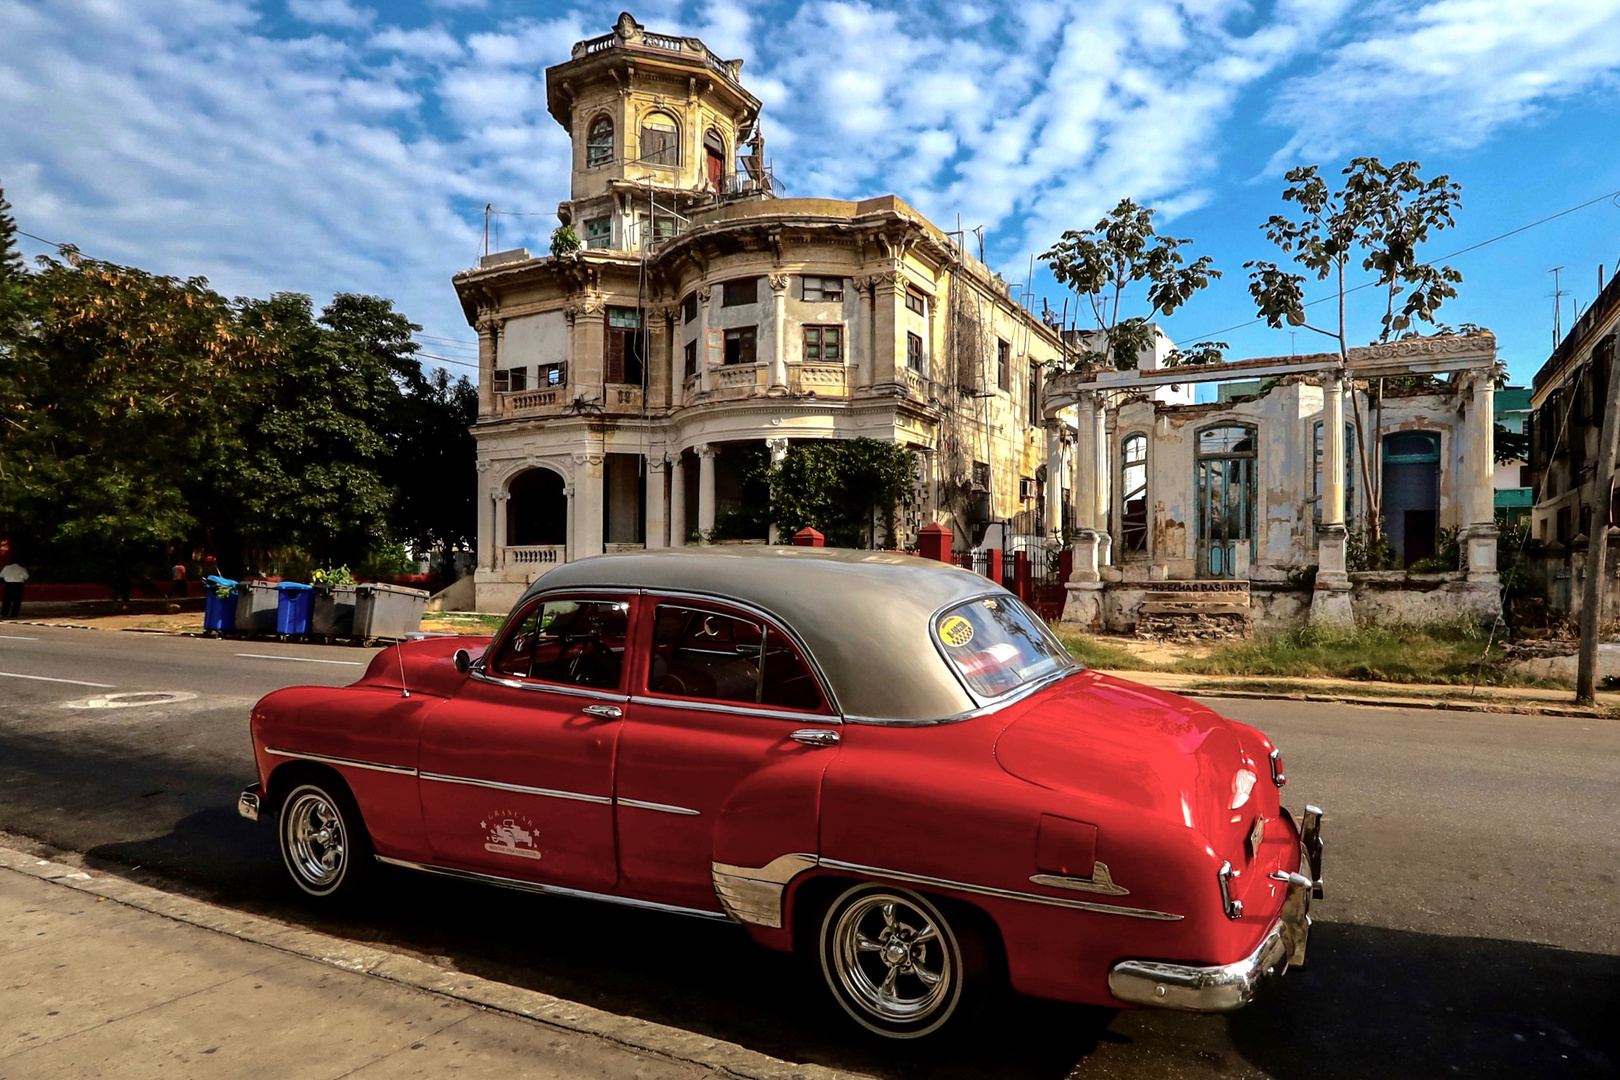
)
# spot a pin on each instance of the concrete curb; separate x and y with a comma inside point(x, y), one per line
point(1442, 704)
point(675, 1044)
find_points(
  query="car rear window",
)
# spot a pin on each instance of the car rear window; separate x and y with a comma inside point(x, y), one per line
point(998, 645)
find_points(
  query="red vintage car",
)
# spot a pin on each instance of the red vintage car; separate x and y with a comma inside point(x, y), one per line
point(886, 762)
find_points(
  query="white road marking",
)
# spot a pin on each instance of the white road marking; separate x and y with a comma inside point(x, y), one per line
point(47, 678)
point(301, 659)
point(14, 637)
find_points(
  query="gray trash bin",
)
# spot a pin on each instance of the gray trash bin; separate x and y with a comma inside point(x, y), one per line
point(256, 604)
point(334, 611)
point(387, 611)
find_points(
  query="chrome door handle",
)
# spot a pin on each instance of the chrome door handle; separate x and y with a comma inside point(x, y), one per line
point(609, 712)
point(815, 736)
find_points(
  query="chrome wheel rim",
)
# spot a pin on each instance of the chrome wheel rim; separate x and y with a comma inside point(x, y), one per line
point(316, 841)
point(892, 959)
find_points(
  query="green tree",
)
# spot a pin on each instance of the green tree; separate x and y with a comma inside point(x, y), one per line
point(1380, 216)
point(1123, 250)
point(842, 487)
point(432, 467)
point(124, 395)
point(311, 474)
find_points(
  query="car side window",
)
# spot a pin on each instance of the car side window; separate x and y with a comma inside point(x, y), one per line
point(572, 642)
point(715, 656)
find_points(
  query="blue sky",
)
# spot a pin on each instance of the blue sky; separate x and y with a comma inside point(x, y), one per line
point(325, 145)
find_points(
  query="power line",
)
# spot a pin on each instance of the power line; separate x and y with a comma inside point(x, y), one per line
point(1453, 255)
point(452, 341)
point(446, 360)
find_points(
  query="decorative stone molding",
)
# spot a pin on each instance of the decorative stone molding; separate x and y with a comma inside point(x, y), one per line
point(656, 464)
point(778, 448)
point(779, 282)
point(1450, 344)
point(704, 450)
point(703, 293)
point(488, 325)
point(863, 284)
point(587, 459)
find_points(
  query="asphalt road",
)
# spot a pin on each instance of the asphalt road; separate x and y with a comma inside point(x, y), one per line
point(1471, 928)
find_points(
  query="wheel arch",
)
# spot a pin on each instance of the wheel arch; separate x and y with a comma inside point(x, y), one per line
point(811, 893)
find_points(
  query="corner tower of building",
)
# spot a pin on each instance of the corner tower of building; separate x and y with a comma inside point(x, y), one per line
point(657, 124)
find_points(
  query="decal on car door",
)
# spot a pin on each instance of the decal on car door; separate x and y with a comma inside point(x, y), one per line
point(510, 833)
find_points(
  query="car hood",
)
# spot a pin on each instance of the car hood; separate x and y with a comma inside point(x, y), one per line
point(1111, 741)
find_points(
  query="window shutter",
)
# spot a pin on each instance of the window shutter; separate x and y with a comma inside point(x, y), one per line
point(615, 356)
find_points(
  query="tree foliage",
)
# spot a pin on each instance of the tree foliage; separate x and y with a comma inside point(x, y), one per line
point(841, 487)
point(1123, 250)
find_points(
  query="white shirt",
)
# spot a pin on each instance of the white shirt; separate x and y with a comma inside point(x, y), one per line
point(14, 572)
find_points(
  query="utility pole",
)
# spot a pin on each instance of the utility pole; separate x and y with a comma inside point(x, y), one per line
point(1597, 542)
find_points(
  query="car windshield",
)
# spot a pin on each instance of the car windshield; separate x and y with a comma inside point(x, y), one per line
point(998, 645)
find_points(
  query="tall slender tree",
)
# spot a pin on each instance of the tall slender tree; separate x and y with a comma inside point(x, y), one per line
point(1378, 217)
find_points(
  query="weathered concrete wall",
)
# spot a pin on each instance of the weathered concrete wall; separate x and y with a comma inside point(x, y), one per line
point(1394, 596)
point(1279, 607)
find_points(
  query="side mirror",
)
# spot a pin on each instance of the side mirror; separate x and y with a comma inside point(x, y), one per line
point(463, 660)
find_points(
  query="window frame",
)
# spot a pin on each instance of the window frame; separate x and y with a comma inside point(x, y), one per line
point(916, 303)
point(1004, 365)
point(483, 667)
point(664, 152)
point(1126, 527)
point(921, 356)
point(822, 297)
point(606, 236)
point(552, 375)
point(594, 159)
point(727, 287)
point(821, 345)
point(751, 334)
point(829, 713)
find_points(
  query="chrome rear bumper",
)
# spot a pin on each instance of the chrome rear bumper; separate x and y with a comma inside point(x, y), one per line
point(251, 803)
point(1232, 986)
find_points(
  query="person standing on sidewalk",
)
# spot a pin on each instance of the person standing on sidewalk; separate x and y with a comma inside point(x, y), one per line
point(13, 574)
point(179, 572)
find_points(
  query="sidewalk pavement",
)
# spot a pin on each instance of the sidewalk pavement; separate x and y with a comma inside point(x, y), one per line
point(1499, 699)
point(104, 977)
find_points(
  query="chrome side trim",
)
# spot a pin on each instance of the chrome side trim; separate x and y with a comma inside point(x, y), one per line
point(353, 763)
point(545, 688)
point(521, 789)
point(1004, 894)
point(552, 890)
point(1012, 697)
point(1098, 882)
point(663, 808)
point(815, 736)
point(733, 709)
point(754, 894)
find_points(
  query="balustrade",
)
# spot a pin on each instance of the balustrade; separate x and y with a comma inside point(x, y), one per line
point(528, 555)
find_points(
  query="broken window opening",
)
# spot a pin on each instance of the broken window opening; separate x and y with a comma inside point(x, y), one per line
point(1133, 520)
point(599, 142)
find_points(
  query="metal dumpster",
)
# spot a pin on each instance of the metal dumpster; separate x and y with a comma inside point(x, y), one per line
point(293, 608)
point(219, 612)
point(387, 612)
point(333, 616)
point(256, 603)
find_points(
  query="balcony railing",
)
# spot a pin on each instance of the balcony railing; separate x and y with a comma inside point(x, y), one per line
point(635, 36)
point(737, 380)
point(823, 380)
point(529, 402)
point(533, 556)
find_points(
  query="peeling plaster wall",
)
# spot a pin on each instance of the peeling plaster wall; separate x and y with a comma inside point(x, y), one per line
point(1393, 596)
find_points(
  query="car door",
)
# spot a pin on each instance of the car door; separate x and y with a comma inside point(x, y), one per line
point(721, 753)
point(517, 770)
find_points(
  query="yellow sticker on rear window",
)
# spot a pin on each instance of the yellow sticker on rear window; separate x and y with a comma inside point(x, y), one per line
point(955, 630)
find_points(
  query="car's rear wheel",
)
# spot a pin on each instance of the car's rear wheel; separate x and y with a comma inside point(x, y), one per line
point(897, 965)
point(323, 841)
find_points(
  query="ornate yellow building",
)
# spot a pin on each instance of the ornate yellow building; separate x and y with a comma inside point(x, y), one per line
point(708, 319)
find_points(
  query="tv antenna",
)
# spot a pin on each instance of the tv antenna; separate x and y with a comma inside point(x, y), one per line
point(1558, 295)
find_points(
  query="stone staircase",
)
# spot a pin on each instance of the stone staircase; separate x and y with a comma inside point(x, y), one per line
point(1194, 610)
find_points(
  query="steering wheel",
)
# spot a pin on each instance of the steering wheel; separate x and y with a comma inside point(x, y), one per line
point(583, 646)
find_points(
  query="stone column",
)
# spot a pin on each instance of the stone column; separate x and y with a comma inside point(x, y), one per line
point(1330, 604)
point(486, 523)
point(1054, 478)
point(657, 365)
point(860, 357)
point(488, 347)
point(1101, 482)
point(677, 500)
point(587, 506)
point(657, 525)
point(778, 449)
point(888, 343)
point(499, 499)
point(705, 522)
point(706, 375)
point(1478, 483)
point(1082, 607)
point(588, 345)
point(779, 288)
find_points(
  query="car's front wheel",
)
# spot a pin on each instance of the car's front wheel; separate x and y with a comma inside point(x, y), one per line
point(323, 841)
point(897, 965)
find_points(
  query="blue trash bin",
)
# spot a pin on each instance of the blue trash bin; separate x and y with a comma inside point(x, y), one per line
point(219, 612)
point(293, 607)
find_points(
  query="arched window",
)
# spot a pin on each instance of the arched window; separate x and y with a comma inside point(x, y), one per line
point(1133, 520)
point(660, 140)
point(599, 142)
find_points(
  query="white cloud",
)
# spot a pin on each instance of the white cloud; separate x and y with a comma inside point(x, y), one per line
point(426, 43)
point(1449, 73)
point(341, 13)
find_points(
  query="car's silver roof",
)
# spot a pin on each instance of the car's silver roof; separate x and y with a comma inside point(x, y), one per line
point(863, 614)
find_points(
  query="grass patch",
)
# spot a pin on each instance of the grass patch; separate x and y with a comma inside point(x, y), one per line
point(477, 623)
point(1452, 653)
point(1100, 654)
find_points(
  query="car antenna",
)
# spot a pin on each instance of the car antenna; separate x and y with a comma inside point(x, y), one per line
point(399, 650)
